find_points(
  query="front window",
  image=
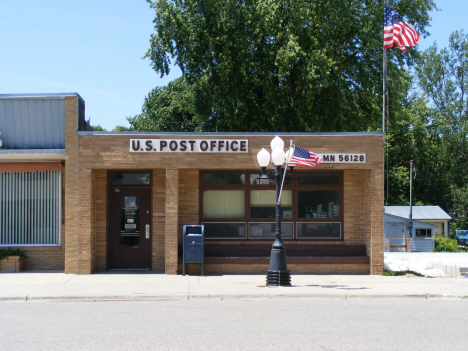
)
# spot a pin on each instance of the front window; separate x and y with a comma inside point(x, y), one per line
point(423, 233)
point(233, 208)
point(223, 204)
point(263, 204)
point(30, 208)
point(318, 204)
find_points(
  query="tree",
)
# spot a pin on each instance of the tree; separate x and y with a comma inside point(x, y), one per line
point(296, 65)
point(98, 128)
point(169, 109)
point(443, 79)
point(432, 131)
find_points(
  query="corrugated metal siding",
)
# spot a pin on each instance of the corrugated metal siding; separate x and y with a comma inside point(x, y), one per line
point(32, 123)
point(419, 212)
point(422, 244)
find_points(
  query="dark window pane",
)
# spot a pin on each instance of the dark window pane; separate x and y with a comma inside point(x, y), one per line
point(123, 178)
point(424, 233)
point(262, 179)
point(267, 230)
point(318, 178)
point(223, 178)
point(318, 231)
point(129, 222)
point(225, 230)
point(318, 204)
point(263, 204)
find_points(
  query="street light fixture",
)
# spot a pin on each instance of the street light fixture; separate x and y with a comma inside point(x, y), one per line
point(278, 273)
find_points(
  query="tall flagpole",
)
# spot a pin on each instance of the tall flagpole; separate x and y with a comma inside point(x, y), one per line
point(384, 93)
point(384, 81)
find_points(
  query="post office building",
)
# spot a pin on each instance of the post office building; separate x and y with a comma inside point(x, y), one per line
point(85, 201)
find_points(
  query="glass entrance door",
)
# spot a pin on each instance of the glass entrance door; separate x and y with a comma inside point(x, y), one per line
point(129, 230)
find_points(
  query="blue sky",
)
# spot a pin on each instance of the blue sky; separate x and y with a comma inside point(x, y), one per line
point(95, 48)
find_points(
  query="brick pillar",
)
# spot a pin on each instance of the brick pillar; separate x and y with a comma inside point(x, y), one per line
point(100, 212)
point(159, 220)
point(71, 184)
point(374, 221)
point(172, 220)
point(86, 237)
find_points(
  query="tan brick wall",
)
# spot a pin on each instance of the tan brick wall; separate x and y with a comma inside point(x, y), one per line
point(354, 214)
point(172, 220)
point(70, 183)
point(112, 152)
point(188, 199)
point(100, 218)
point(159, 221)
point(176, 199)
point(374, 220)
point(86, 237)
point(40, 258)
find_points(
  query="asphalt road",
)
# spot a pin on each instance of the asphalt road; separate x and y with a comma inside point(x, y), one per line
point(289, 324)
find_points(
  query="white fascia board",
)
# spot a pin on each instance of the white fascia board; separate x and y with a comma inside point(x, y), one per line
point(32, 155)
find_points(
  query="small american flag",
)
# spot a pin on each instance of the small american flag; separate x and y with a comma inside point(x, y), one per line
point(398, 32)
point(303, 157)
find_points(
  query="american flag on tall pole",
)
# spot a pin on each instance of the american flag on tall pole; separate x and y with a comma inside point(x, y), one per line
point(398, 32)
point(303, 157)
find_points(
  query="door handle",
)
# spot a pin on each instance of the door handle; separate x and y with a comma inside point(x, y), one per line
point(147, 231)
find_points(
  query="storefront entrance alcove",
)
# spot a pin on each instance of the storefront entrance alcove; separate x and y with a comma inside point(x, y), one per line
point(129, 220)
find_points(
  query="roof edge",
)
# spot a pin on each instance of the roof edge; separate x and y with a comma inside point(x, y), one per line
point(337, 134)
point(40, 96)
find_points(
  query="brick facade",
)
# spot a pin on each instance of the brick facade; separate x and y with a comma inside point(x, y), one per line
point(175, 198)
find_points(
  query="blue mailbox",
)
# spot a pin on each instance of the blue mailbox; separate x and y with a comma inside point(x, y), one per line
point(194, 246)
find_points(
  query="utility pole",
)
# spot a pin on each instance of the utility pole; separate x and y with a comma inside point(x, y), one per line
point(410, 224)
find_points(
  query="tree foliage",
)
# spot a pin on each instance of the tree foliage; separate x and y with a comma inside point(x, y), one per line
point(169, 109)
point(98, 128)
point(269, 65)
point(443, 78)
point(432, 130)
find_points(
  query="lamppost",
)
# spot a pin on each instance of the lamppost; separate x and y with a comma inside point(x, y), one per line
point(277, 274)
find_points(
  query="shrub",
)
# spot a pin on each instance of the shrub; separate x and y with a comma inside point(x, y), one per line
point(12, 252)
point(445, 244)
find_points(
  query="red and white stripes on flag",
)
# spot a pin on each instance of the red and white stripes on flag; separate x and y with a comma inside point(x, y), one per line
point(398, 32)
point(303, 157)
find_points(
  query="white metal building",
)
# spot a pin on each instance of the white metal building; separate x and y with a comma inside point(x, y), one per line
point(427, 221)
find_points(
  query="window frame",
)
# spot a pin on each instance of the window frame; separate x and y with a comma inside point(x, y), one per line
point(54, 189)
point(294, 187)
point(423, 237)
point(110, 185)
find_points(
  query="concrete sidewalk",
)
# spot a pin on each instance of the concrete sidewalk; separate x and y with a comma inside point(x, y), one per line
point(57, 286)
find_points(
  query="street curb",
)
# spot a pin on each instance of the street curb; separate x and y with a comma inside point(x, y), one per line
point(192, 297)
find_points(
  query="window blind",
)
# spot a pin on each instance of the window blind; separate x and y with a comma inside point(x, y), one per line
point(30, 208)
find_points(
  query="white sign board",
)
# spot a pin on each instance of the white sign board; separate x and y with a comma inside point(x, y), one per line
point(188, 145)
point(343, 158)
